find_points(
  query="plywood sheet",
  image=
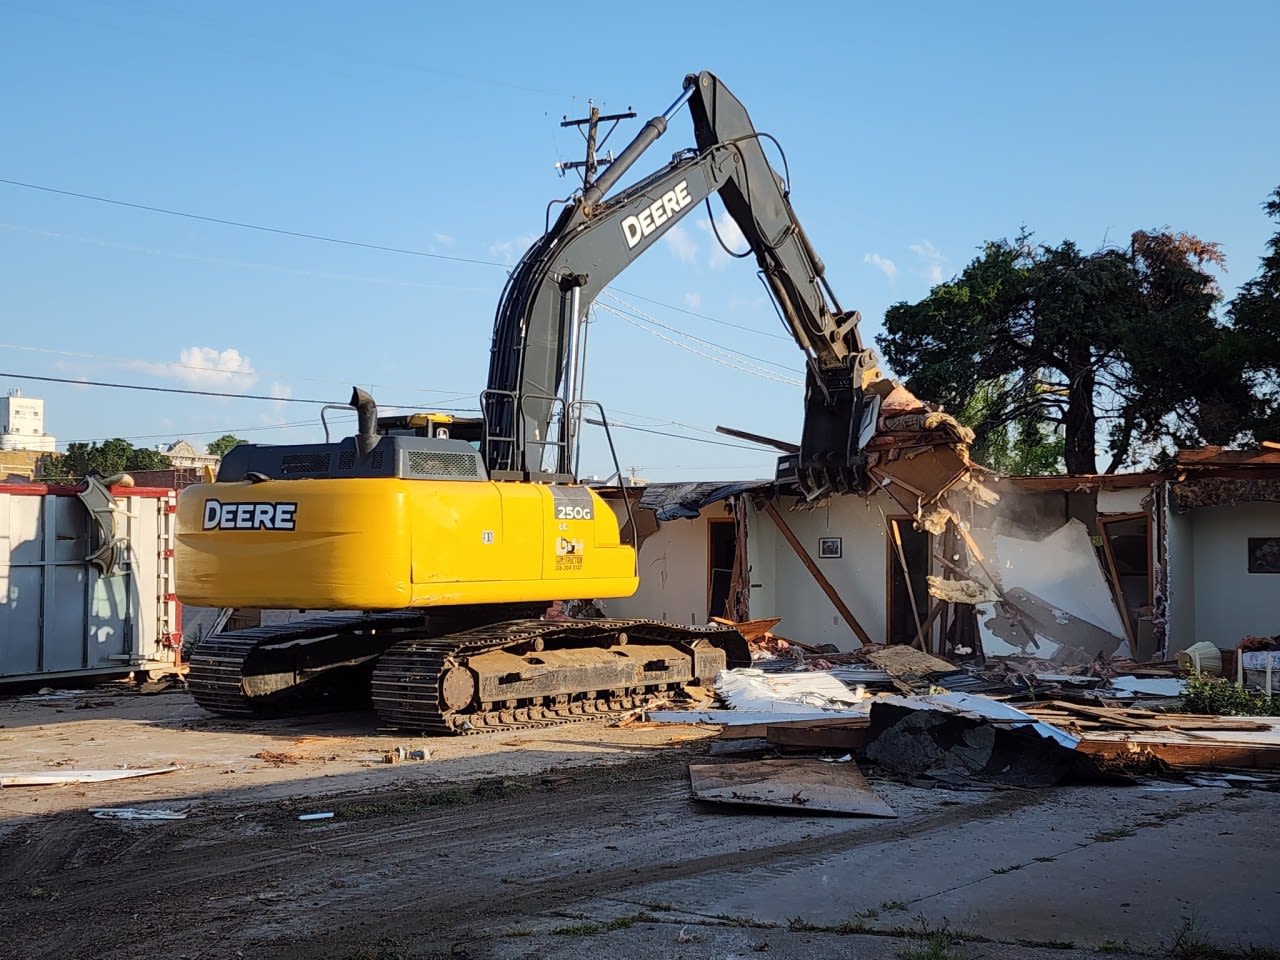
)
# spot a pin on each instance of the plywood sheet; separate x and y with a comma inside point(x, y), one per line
point(799, 785)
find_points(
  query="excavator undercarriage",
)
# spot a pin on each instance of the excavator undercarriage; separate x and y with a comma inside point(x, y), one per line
point(421, 673)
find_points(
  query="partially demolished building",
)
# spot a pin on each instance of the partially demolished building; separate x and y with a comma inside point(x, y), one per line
point(1067, 569)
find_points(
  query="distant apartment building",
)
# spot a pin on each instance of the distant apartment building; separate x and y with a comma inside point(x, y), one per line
point(22, 423)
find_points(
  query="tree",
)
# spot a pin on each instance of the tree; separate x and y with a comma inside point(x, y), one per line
point(1255, 333)
point(219, 447)
point(1044, 342)
point(107, 458)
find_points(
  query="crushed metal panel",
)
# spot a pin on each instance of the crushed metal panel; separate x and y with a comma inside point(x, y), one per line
point(808, 785)
point(1057, 582)
point(1072, 639)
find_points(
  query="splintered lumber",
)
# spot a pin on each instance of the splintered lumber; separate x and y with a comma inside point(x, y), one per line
point(780, 729)
point(1138, 719)
point(752, 631)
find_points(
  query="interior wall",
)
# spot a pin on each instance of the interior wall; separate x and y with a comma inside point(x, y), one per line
point(1123, 501)
point(1230, 602)
point(781, 586)
point(673, 572)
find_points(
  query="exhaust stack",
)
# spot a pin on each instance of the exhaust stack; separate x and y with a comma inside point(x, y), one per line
point(367, 412)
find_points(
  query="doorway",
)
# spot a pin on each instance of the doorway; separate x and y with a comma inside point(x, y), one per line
point(722, 543)
point(908, 599)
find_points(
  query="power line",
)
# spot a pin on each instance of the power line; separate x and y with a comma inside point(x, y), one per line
point(640, 314)
point(150, 366)
point(250, 226)
point(703, 316)
point(676, 436)
point(350, 243)
point(200, 393)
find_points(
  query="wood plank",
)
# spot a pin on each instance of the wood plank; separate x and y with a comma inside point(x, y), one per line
point(1248, 756)
point(902, 660)
point(826, 737)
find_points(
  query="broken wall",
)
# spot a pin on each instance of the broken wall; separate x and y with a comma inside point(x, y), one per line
point(673, 570)
point(781, 586)
point(1180, 581)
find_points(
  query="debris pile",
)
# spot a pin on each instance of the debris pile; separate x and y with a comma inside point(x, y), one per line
point(970, 723)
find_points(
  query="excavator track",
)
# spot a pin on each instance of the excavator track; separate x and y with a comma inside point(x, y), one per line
point(263, 671)
point(506, 675)
point(535, 673)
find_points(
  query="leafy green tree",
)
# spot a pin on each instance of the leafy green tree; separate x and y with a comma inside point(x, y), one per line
point(1024, 447)
point(1044, 342)
point(219, 447)
point(1255, 340)
point(106, 458)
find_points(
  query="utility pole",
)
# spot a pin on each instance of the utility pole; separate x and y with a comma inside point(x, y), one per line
point(592, 164)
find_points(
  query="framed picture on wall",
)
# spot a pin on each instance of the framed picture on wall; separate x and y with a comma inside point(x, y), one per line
point(1264, 554)
point(829, 548)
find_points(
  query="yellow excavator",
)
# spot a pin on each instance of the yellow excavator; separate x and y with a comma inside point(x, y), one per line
point(438, 545)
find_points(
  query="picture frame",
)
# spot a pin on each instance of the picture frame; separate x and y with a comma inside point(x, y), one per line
point(830, 548)
point(1264, 554)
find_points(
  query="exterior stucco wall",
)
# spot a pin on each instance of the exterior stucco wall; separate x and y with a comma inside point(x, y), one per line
point(1230, 602)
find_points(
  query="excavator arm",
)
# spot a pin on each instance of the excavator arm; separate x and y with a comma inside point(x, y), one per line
point(531, 387)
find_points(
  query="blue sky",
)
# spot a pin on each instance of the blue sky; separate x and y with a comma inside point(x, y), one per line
point(913, 135)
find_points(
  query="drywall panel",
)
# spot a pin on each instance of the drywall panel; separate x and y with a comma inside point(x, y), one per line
point(1123, 501)
point(1060, 570)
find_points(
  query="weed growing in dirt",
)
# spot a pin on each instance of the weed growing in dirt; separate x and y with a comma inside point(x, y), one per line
point(384, 949)
point(1110, 946)
point(607, 926)
point(44, 893)
point(894, 905)
point(1108, 836)
point(937, 947)
point(1189, 943)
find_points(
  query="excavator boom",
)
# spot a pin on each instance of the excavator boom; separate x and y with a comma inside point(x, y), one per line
point(598, 235)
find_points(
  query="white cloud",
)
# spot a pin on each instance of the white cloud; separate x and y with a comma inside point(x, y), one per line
point(883, 264)
point(681, 244)
point(729, 236)
point(934, 261)
point(508, 251)
point(205, 367)
point(443, 239)
point(693, 300)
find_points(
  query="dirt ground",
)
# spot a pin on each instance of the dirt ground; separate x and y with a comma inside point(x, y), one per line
point(577, 841)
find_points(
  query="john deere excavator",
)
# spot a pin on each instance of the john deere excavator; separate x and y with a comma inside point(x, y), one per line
point(439, 556)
